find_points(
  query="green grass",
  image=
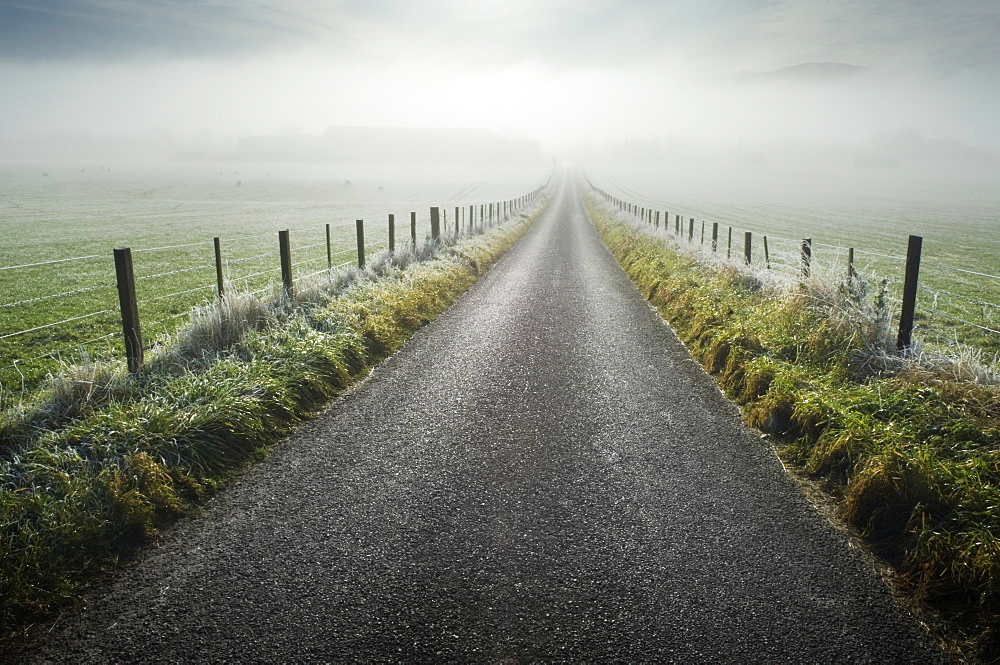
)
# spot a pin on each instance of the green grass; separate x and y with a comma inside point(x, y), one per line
point(910, 453)
point(963, 235)
point(168, 213)
point(169, 282)
point(100, 461)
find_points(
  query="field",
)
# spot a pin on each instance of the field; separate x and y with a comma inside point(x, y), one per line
point(958, 216)
point(63, 220)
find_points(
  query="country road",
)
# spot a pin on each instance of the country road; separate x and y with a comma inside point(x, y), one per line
point(541, 474)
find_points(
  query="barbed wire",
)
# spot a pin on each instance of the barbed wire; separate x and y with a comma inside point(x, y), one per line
point(166, 247)
point(884, 256)
point(982, 303)
point(175, 272)
point(57, 323)
point(177, 293)
point(316, 244)
point(311, 260)
point(963, 270)
point(247, 259)
point(47, 263)
point(172, 317)
point(52, 352)
point(261, 235)
point(255, 274)
point(58, 295)
point(968, 323)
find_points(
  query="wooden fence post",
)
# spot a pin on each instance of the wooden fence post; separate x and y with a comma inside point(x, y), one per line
point(715, 236)
point(677, 225)
point(807, 252)
point(457, 229)
point(702, 232)
point(285, 253)
point(729, 245)
point(413, 229)
point(747, 247)
point(360, 223)
point(909, 292)
point(329, 250)
point(767, 255)
point(656, 221)
point(435, 223)
point(392, 233)
point(691, 230)
point(219, 282)
point(850, 263)
point(129, 309)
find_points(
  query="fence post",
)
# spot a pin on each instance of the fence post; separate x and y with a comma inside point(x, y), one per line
point(413, 230)
point(807, 252)
point(691, 230)
point(677, 225)
point(850, 263)
point(747, 247)
point(457, 229)
point(656, 221)
point(435, 222)
point(909, 292)
point(392, 233)
point(361, 242)
point(218, 266)
point(702, 232)
point(729, 245)
point(767, 255)
point(329, 250)
point(129, 308)
point(285, 252)
point(715, 236)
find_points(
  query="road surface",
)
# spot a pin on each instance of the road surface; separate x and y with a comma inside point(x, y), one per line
point(542, 474)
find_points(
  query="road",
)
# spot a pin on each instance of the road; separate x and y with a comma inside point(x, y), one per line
point(541, 474)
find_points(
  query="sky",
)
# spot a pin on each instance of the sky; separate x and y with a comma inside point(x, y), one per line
point(562, 71)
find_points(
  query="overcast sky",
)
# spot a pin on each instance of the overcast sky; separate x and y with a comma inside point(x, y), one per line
point(559, 70)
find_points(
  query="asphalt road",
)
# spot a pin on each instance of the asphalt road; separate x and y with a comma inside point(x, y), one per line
point(542, 474)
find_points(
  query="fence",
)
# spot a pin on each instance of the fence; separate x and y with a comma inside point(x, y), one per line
point(975, 319)
point(154, 288)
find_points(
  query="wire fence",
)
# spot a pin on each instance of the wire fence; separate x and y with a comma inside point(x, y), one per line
point(69, 310)
point(941, 304)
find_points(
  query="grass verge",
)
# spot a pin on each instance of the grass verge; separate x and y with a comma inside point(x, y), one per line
point(101, 462)
point(910, 452)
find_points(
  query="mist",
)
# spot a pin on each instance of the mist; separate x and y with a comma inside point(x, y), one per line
point(767, 85)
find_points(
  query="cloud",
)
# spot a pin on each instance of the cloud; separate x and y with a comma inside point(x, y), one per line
point(897, 35)
point(598, 68)
point(115, 29)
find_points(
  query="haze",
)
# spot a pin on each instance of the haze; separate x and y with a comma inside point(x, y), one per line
point(896, 79)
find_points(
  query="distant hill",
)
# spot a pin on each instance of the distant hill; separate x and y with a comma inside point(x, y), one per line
point(809, 72)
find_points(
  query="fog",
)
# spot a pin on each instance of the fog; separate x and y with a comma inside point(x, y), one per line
point(846, 83)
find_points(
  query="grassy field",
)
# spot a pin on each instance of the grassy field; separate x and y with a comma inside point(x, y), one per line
point(168, 214)
point(873, 212)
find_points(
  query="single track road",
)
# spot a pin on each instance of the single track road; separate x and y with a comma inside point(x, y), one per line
point(541, 474)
